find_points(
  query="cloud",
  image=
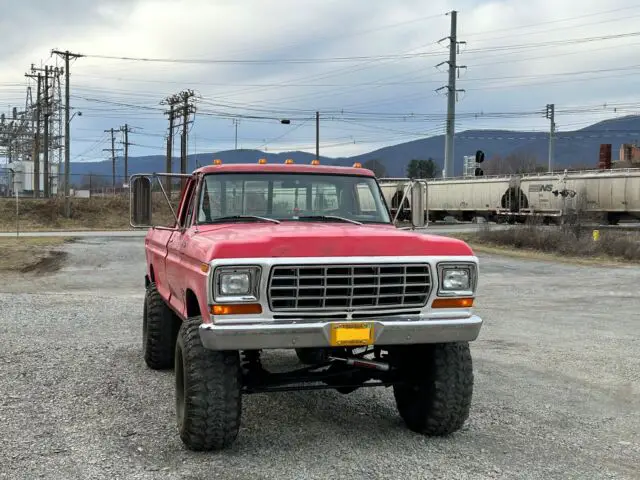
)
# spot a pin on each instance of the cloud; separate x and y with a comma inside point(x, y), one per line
point(519, 56)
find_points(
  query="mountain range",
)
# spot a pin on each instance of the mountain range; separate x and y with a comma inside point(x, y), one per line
point(573, 149)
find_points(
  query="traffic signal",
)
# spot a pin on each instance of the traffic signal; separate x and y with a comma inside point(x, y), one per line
point(479, 159)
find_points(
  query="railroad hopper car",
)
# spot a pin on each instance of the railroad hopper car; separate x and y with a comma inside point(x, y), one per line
point(461, 198)
point(602, 195)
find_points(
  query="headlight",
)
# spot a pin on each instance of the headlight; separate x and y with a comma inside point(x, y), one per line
point(236, 283)
point(457, 279)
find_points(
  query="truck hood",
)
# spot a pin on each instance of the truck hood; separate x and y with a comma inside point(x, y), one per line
point(296, 239)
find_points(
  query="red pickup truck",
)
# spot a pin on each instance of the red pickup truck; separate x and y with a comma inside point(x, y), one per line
point(307, 258)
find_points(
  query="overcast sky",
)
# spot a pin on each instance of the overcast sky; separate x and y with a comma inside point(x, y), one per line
point(520, 55)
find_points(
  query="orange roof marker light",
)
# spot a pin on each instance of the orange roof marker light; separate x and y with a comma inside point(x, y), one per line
point(357, 165)
point(315, 162)
point(288, 161)
point(262, 161)
point(217, 161)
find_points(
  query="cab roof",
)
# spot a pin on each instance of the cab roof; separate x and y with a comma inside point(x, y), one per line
point(284, 168)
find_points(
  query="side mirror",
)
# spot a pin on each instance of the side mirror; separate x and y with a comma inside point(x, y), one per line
point(140, 202)
point(418, 204)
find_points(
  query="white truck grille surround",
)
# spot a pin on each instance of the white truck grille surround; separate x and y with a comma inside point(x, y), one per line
point(349, 287)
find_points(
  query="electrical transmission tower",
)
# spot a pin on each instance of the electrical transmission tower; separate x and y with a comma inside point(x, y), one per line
point(17, 130)
point(49, 112)
point(452, 94)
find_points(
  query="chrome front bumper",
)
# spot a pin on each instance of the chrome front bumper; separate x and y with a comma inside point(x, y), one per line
point(300, 334)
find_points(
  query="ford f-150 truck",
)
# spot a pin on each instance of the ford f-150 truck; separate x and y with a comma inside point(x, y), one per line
point(302, 257)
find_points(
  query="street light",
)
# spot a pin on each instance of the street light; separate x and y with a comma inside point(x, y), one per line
point(77, 113)
point(67, 165)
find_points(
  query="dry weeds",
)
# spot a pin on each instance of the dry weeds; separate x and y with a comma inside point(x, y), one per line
point(97, 213)
point(575, 241)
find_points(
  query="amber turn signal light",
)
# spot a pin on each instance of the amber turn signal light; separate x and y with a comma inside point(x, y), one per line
point(452, 303)
point(240, 309)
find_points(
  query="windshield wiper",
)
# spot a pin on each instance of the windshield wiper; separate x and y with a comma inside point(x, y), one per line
point(243, 217)
point(329, 217)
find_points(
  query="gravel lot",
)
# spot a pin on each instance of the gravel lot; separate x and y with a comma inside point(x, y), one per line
point(557, 390)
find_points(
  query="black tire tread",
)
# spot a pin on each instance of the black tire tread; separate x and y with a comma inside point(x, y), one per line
point(213, 400)
point(442, 405)
point(162, 330)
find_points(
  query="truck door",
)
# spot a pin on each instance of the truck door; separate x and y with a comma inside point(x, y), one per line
point(157, 252)
point(177, 244)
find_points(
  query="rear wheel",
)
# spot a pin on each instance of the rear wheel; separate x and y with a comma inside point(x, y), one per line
point(208, 392)
point(159, 331)
point(436, 398)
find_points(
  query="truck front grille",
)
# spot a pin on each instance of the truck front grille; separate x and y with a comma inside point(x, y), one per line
point(386, 286)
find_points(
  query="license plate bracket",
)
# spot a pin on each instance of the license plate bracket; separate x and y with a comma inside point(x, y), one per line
point(351, 334)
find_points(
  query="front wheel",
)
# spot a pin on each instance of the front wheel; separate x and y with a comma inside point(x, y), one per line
point(436, 398)
point(208, 392)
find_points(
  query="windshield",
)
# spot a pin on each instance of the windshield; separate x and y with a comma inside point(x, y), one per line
point(291, 196)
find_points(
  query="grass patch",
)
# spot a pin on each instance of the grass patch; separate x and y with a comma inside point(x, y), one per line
point(29, 254)
point(97, 213)
point(567, 242)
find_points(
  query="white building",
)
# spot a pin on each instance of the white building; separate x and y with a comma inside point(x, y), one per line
point(24, 177)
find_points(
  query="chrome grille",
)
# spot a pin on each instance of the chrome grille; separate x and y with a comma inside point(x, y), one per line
point(349, 287)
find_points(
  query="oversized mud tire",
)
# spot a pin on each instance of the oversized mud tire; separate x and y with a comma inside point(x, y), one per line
point(159, 331)
point(208, 392)
point(312, 356)
point(437, 399)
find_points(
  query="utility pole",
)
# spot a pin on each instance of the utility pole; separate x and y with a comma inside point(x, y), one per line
point(67, 140)
point(179, 106)
point(47, 113)
point(452, 95)
point(36, 144)
point(113, 156)
point(550, 114)
point(172, 117)
point(235, 122)
point(317, 135)
point(126, 129)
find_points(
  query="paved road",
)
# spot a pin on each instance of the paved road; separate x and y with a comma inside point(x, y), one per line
point(557, 390)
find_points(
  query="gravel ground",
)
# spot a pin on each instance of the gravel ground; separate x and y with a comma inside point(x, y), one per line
point(556, 396)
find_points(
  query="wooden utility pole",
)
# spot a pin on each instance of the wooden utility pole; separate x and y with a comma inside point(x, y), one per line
point(317, 135)
point(113, 156)
point(126, 129)
point(47, 114)
point(67, 138)
point(175, 111)
point(36, 144)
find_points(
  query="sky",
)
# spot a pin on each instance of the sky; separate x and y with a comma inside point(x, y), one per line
point(373, 69)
